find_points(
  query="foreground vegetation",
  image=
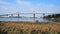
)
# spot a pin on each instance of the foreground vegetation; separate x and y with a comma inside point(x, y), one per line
point(29, 28)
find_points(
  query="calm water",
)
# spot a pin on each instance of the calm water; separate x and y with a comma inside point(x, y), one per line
point(27, 19)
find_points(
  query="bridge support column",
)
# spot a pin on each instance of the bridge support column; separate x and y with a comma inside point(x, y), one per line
point(34, 15)
point(18, 15)
point(43, 15)
point(12, 15)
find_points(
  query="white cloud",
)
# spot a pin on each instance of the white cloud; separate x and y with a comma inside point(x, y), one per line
point(3, 3)
point(29, 8)
point(23, 2)
point(39, 9)
point(47, 8)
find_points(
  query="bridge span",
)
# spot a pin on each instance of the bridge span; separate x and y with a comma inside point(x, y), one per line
point(18, 14)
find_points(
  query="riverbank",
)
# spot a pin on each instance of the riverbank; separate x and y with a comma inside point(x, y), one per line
point(9, 27)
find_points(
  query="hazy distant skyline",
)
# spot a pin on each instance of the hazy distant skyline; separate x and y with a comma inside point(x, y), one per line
point(28, 6)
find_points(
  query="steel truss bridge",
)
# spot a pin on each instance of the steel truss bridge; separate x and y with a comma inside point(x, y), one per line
point(18, 14)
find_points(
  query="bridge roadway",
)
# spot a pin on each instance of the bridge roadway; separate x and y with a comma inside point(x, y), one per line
point(18, 14)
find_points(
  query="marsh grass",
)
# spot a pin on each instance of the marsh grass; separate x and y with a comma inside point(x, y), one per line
point(29, 28)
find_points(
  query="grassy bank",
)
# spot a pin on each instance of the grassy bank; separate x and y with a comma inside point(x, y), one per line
point(29, 28)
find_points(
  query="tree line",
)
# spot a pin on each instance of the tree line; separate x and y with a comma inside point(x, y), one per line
point(53, 16)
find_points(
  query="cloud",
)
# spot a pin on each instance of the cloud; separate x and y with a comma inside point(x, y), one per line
point(38, 9)
point(47, 8)
point(3, 3)
point(29, 8)
point(20, 2)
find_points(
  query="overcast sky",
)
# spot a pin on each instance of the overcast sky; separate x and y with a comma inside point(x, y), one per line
point(28, 6)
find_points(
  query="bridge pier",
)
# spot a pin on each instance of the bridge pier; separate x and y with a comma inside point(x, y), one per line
point(43, 15)
point(12, 15)
point(18, 15)
point(33, 15)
